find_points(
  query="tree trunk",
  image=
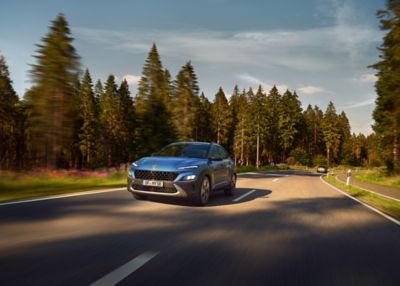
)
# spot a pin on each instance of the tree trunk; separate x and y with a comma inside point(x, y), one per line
point(258, 151)
point(396, 163)
point(327, 156)
point(242, 146)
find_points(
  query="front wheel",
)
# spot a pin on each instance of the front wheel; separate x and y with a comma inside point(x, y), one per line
point(230, 190)
point(203, 193)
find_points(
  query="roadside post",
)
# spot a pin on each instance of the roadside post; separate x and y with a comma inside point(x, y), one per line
point(348, 177)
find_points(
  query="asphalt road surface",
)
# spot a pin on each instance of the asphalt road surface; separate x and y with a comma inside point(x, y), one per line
point(283, 228)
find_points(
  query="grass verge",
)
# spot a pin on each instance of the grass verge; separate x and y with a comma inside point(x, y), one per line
point(244, 169)
point(15, 186)
point(386, 205)
point(378, 177)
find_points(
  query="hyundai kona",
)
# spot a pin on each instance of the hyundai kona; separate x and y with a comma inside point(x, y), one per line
point(191, 170)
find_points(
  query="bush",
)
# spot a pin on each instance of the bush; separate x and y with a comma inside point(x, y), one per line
point(319, 160)
point(298, 155)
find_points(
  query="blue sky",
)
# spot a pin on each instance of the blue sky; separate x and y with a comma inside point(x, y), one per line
point(320, 48)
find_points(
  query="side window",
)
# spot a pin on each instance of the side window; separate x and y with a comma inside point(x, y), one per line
point(223, 153)
point(214, 153)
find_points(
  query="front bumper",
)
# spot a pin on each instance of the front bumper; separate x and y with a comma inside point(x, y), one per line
point(181, 189)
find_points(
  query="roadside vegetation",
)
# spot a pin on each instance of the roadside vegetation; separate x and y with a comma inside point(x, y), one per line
point(388, 206)
point(18, 186)
point(379, 177)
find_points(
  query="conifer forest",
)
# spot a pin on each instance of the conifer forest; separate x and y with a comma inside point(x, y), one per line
point(67, 119)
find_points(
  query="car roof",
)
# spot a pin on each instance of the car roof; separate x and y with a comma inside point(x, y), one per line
point(192, 142)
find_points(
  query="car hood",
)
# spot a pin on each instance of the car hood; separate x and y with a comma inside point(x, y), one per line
point(167, 163)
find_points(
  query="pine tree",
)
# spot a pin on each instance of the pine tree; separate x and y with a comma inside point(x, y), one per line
point(272, 132)
point(127, 121)
point(387, 111)
point(110, 126)
point(242, 130)
point(155, 127)
point(185, 92)
point(312, 131)
point(203, 129)
point(221, 119)
point(88, 133)
point(52, 96)
point(98, 90)
point(289, 120)
point(331, 132)
point(233, 109)
point(8, 118)
point(345, 146)
point(258, 115)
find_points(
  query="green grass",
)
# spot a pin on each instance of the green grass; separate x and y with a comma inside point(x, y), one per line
point(388, 206)
point(18, 186)
point(379, 177)
point(244, 169)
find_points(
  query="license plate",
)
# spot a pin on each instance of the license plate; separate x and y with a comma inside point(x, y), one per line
point(153, 183)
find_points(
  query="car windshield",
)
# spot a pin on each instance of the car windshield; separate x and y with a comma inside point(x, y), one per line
point(185, 150)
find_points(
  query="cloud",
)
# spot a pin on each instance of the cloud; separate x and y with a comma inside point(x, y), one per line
point(368, 77)
point(367, 102)
point(309, 89)
point(315, 49)
point(132, 79)
point(255, 82)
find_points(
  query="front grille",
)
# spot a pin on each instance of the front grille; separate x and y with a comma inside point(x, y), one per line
point(155, 175)
point(169, 190)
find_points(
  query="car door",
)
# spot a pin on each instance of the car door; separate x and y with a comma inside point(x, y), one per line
point(225, 166)
point(217, 166)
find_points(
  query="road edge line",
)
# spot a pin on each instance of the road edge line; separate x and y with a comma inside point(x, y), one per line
point(77, 194)
point(395, 221)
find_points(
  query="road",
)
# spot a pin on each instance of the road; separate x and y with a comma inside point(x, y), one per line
point(292, 230)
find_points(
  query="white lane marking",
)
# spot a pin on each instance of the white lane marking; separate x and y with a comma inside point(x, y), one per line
point(244, 195)
point(123, 271)
point(364, 204)
point(262, 173)
point(274, 180)
point(378, 194)
point(62, 196)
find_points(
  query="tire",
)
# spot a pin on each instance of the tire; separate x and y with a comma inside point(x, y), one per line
point(230, 191)
point(140, 197)
point(203, 194)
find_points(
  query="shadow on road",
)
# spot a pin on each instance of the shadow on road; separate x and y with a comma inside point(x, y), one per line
point(299, 241)
point(217, 199)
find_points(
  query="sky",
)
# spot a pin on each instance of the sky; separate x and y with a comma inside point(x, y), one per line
point(319, 48)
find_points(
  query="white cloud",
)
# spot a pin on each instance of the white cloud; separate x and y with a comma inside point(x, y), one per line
point(132, 79)
point(367, 102)
point(368, 77)
point(255, 82)
point(249, 79)
point(309, 89)
point(315, 49)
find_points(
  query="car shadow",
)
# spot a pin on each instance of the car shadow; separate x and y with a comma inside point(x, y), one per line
point(217, 198)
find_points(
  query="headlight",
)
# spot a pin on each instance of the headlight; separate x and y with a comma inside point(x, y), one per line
point(134, 164)
point(189, 177)
point(188, 167)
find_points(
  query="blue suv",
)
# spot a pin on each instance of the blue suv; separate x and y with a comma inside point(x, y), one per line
point(189, 170)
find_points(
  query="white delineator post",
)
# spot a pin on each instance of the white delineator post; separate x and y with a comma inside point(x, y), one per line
point(348, 177)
